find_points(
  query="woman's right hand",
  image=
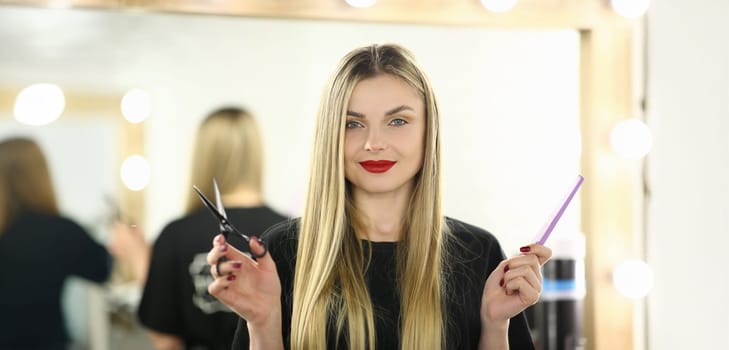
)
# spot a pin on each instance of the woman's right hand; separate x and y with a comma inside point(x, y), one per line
point(251, 288)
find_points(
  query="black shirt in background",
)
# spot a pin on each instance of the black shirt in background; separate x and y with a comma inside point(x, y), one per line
point(473, 252)
point(38, 253)
point(175, 298)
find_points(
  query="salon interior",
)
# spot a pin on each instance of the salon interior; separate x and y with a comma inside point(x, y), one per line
point(633, 95)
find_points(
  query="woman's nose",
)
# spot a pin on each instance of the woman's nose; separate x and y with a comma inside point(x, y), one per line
point(375, 141)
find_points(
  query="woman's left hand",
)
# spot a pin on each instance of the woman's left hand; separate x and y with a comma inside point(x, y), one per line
point(514, 285)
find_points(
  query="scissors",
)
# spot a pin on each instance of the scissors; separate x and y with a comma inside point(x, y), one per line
point(226, 227)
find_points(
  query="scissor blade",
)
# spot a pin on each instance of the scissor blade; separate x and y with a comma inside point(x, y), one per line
point(218, 200)
point(209, 205)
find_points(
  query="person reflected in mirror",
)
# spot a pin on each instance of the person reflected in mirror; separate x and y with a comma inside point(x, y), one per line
point(39, 250)
point(176, 307)
point(373, 263)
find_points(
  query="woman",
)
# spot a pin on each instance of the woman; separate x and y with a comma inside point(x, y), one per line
point(372, 263)
point(39, 250)
point(175, 306)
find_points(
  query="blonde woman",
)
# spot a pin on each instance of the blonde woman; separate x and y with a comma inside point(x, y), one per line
point(373, 263)
point(175, 306)
point(39, 250)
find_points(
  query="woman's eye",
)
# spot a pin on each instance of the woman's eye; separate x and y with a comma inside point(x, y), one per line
point(398, 121)
point(353, 124)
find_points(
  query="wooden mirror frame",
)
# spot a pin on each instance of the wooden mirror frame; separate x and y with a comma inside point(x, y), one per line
point(612, 194)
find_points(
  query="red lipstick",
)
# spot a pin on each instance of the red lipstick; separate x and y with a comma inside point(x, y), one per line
point(377, 166)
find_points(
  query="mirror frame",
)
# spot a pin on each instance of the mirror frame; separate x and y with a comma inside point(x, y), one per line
point(612, 209)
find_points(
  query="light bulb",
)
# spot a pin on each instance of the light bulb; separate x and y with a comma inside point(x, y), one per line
point(135, 173)
point(633, 279)
point(498, 5)
point(630, 8)
point(136, 105)
point(631, 139)
point(39, 104)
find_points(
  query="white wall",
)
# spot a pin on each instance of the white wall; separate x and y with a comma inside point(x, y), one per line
point(688, 217)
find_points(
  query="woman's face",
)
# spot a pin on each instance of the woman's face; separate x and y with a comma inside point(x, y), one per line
point(385, 137)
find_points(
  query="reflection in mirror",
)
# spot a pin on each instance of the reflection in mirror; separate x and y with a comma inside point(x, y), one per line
point(509, 100)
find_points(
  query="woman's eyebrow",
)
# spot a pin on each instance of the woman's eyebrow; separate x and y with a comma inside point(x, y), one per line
point(398, 110)
point(388, 113)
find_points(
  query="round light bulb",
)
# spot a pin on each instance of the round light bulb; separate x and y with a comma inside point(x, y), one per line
point(633, 278)
point(498, 5)
point(39, 104)
point(135, 173)
point(136, 105)
point(630, 8)
point(361, 3)
point(631, 139)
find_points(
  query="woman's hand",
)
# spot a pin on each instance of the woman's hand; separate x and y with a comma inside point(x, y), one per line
point(128, 245)
point(514, 285)
point(251, 288)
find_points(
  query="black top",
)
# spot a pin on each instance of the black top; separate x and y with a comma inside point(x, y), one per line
point(37, 253)
point(175, 298)
point(474, 253)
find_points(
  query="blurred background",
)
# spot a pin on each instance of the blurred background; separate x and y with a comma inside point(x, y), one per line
point(532, 93)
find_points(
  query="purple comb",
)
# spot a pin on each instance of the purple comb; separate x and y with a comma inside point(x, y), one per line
point(542, 238)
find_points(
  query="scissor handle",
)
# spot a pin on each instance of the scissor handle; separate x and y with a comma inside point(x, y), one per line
point(263, 253)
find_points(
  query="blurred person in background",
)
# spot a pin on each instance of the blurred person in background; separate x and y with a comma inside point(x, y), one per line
point(39, 250)
point(176, 307)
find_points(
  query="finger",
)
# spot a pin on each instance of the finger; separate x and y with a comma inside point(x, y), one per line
point(225, 268)
point(541, 252)
point(219, 285)
point(496, 278)
point(530, 260)
point(220, 247)
point(265, 262)
point(528, 294)
point(526, 273)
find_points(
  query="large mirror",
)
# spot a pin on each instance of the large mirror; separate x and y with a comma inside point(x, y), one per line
point(511, 101)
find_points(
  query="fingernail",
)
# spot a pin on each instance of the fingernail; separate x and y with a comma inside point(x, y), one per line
point(501, 283)
point(525, 249)
point(223, 248)
point(219, 238)
point(230, 277)
point(506, 269)
point(236, 265)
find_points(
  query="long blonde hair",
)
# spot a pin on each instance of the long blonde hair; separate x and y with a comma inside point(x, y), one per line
point(227, 148)
point(329, 282)
point(25, 182)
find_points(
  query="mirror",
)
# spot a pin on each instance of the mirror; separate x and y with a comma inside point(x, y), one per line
point(510, 101)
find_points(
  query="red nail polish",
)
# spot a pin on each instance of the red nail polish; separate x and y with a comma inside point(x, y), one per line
point(236, 265)
point(231, 277)
point(525, 249)
point(223, 248)
point(501, 283)
point(506, 269)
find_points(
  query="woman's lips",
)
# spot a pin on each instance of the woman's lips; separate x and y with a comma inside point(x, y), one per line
point(377, 166)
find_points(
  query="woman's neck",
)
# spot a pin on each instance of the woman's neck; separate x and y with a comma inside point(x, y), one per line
point(242, 196)
point(383, 214)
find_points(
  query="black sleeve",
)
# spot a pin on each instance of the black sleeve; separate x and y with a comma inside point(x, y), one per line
point(519, 335)
point(160, 308)
point(240, 339)
point(90, 260)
